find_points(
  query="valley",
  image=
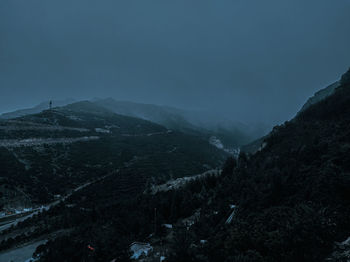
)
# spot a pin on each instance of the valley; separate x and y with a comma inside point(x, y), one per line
point(249, 209)
point(55, 164)
point(174, 131)
point(132, 190)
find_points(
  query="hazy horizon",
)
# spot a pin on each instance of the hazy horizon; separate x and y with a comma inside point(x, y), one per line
point(250, 61)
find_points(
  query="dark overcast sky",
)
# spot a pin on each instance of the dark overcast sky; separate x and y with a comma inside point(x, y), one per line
point(250, 59)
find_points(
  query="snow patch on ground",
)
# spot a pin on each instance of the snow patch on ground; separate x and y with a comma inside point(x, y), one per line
point(112, 126)
point(180, 182)
point(218, 144)
point(10, 143)
point(148, 134)
point(75, 118)
point(172, 150)
point(15, 125)
point(102, 130)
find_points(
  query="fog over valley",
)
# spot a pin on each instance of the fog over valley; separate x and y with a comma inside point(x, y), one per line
point(248, 61)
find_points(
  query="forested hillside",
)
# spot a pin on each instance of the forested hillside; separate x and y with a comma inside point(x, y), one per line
point(288, 202)
point(55, 151)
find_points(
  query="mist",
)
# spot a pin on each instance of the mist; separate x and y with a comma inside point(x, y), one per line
point(250, 61)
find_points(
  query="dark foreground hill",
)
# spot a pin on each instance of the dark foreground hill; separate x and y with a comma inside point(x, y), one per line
point(320, 95)
point(292, 197)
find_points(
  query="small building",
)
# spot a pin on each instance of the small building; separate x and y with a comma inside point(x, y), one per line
point(139, 249)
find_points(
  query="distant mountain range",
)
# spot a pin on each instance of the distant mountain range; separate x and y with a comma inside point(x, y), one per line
point(232, 134)
point(206, 124)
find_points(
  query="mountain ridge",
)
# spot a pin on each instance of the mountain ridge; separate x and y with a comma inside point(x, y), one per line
point(233, 134)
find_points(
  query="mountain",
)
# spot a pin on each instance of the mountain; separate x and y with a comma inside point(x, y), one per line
point(320, 95)
point(233, 134)
point(36, 109)
point(166, 116)
point(52, 152)
point(206, 124)
point(288, 202)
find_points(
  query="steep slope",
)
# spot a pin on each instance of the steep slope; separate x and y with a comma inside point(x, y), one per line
point(292, 197)
point(320, 95)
